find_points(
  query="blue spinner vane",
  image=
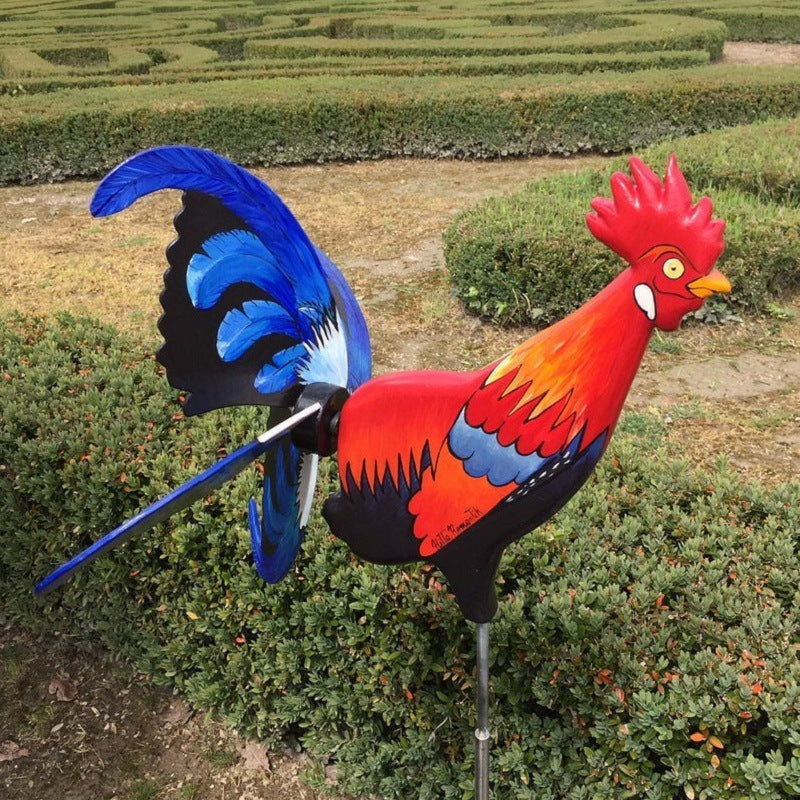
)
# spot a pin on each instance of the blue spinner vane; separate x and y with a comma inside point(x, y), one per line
point(254, 314)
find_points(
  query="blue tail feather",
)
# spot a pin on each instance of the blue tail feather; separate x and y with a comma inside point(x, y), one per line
point(277, 539)
point(195, 169)
point(241, 328)
point(281, 371)
point(236, 257)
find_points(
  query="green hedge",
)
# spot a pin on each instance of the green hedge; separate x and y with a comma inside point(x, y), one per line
point(643, 33)
point(185, 56)
point(762, 25)
point(46, 137)
point(174, 65)
point(77, 56)
point(128, 60)
point(529, 258)
point(544, 63)
point(20, 63)
point(662, 603)
point(760, 159)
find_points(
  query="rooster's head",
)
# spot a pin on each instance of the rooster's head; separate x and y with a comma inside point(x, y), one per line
point(670, 243)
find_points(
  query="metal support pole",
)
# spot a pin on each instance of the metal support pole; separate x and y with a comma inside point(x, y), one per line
point(482, 731)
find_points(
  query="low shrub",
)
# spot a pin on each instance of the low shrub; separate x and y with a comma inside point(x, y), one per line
point(759, 25)
point(644, 647)
point(641, 33)
point(20, 63)
point(238, 21)
point(186, 56)
point(758, 159)
point(529, 258)
point(77, 56)
point(128, 60)
point(175, 64)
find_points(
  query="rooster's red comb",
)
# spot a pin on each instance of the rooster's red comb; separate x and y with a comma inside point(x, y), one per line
point(646, 212)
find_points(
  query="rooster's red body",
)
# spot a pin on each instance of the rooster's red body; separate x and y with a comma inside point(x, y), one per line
point(461, 464)
point(440, 466)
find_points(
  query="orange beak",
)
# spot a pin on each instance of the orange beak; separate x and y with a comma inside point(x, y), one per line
point(713, 283)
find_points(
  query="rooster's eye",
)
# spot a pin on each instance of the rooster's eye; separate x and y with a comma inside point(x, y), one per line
point(673, 268)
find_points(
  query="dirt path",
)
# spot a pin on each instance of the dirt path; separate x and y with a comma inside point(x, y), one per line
point(732, 391)
point(760, 53)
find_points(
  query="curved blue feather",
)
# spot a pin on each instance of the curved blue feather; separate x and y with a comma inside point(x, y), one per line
point(236, 257)
point(281, 372)
point(241, 328)
point(195, 169)
point(277, 539)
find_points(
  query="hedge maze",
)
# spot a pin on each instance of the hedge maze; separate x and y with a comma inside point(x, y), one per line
point(84, 84)
point(646, 646)
point(77, 44)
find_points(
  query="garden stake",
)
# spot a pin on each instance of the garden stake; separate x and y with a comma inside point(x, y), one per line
point(482, 731)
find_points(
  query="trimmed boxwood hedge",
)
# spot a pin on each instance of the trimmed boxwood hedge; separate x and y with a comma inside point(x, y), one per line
point(180, 71)
point(645, 644)
point(634, 33)
point(529, 258)
point(762, 160)
point(44, 137)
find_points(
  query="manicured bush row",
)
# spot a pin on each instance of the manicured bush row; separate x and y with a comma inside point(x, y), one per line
point(529, 258)
point(88, 66)
point(77, 56)
point(45, 138)
point(642, 647)
point(646, 32)
point(20, 63)
point(142, 24)
point(194, 64)
point(185, 56)
point(240, 20)
point(759, 159)
point(541, 63)
point(553, 64)
point(128, 60)
point(767, 25)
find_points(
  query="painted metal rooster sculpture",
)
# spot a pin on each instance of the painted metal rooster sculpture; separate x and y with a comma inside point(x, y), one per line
point(441, 466)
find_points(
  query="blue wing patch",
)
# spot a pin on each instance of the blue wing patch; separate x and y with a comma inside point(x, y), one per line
point(484, 456)
point(236, 257)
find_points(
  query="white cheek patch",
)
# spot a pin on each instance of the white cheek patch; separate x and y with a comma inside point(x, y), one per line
point(646, 300)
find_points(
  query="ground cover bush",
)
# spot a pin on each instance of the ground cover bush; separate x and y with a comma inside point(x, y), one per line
point(529, 257)
point(19, 62)
point(759, 159)
point(185, 56)
point(576, 63)
point(643, 645)
point(751, 25)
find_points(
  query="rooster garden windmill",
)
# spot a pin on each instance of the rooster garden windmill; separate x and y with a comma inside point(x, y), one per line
point(438, 466)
